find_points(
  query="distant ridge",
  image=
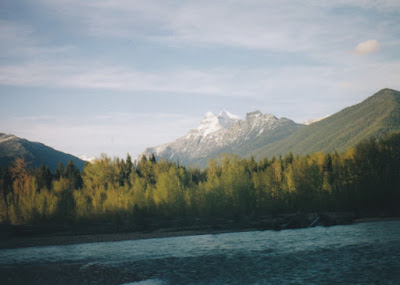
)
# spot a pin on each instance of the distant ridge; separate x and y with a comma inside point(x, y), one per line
point(12, 147)
point(224, 133)
point(374, 117)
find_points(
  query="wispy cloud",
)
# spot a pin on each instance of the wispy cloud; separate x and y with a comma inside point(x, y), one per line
point(219, 81)
point(291, 26)
point(215, 81)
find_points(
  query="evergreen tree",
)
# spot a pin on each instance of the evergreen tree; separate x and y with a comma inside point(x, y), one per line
point(73, 175)
point(44, 178)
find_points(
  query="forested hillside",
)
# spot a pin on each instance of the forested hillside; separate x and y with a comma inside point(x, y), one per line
point(376, 116)
point(362, 179)
point(34, 153)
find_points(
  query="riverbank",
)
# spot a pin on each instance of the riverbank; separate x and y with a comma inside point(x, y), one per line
point(16, 238)
point(65, 239)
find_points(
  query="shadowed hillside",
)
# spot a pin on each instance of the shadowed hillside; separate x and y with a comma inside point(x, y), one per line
point(36, 154)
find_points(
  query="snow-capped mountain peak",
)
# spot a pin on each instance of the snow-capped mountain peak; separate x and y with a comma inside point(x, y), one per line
point(228, 116)
point(212, 123)
point(224, 133)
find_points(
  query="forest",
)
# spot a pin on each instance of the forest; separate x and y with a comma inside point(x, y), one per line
point(364, 179)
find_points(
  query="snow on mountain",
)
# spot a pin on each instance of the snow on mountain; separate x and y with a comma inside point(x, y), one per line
point(221, 133)
point(225, 115)
point(212, 123)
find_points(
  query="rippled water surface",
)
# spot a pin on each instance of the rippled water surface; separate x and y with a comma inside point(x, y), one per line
point(367, 253)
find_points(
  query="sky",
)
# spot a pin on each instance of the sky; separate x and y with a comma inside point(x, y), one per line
point(115, 77)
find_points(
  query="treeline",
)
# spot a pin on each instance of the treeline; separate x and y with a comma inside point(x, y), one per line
point(365, 179)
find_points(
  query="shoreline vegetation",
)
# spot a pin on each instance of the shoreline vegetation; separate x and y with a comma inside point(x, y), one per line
point(162, 198)
point(34, 235)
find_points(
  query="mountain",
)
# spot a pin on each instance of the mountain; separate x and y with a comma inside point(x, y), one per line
point(374, 117)
point(12, 147)
point(224, 133)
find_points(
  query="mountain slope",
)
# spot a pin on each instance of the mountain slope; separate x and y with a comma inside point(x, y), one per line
point(224, 133)
point(377, 115)
point(12, 147)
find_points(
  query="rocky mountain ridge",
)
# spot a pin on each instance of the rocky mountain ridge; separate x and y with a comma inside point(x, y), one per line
point(224, 133)
point(264, 135)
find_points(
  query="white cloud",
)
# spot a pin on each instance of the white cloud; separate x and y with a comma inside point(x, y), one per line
point(287, 26)
point(311, 28)
point(367, 47)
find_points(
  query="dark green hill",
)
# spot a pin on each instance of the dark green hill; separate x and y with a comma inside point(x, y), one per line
point(36, 154)
point(377, 115)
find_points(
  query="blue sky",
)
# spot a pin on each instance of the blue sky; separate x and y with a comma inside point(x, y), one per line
point(91, 77)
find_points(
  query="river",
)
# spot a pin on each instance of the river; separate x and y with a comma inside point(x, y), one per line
point(364, 253)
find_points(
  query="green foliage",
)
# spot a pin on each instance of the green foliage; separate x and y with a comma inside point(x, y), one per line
point(364, 179)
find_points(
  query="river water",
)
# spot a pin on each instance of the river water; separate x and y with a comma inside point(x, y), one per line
point(365, 253)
